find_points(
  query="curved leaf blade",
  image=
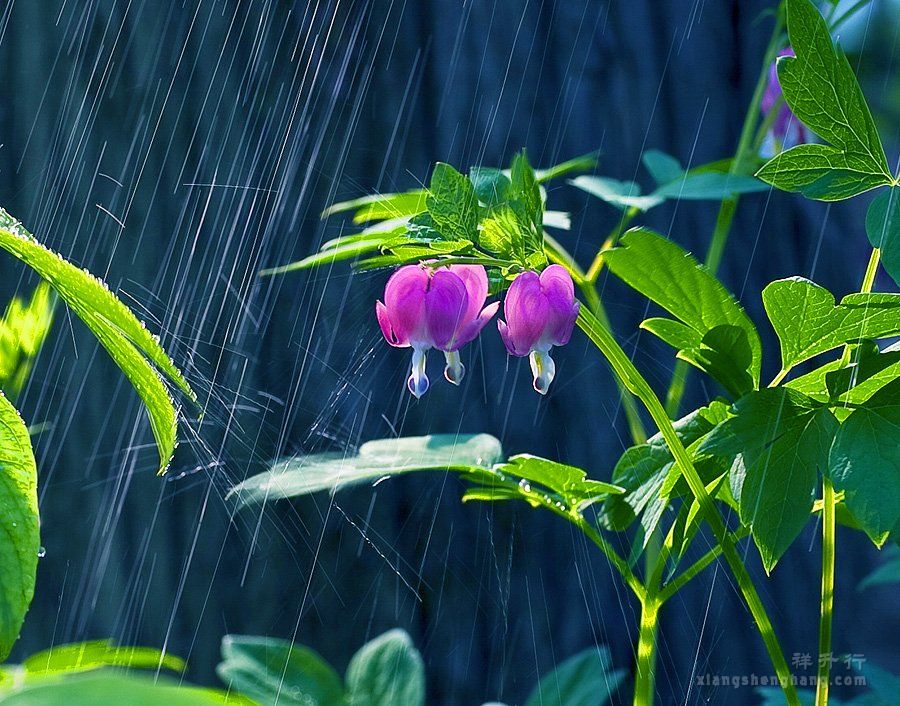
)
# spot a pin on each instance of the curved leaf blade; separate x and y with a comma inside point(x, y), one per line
point(125, 338)
point(385, 672)
point(19, 530)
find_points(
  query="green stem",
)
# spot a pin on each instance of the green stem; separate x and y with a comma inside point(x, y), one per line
point(829, 542)
point(637, 385)
point(746, 148)
point(827, 606)
point(676, 584)
point(645, 673)
point(596, 267)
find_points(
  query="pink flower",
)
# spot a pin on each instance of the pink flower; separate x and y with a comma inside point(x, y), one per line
point(540, 313)
point(786, 131)
point(434, 307)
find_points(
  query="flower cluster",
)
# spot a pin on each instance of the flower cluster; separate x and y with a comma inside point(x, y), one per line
point(786, 130)
point(433, 306)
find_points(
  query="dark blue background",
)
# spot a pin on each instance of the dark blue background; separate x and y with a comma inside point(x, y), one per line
point(176, 148)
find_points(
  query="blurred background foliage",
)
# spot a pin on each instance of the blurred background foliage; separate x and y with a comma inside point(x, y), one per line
point(177, 148)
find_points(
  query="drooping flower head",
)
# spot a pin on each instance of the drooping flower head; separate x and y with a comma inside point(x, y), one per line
point(434, 307)
point(786, 131)
point(540, 312)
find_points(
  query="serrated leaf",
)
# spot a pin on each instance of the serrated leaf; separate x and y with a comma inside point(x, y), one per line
point(526, 201)
point(134, 349)
point(19, 525)
point(865, 462)
point(821, 89)
point(883, 229)
point(304, 475)
point(725, 343)
point(379, 207)
point(569, 482)
point(271, 671)
point(821, 172)
point(778, 440)
point(452, 204)
point(386, 672)
point(809, 322)
point(585, 679)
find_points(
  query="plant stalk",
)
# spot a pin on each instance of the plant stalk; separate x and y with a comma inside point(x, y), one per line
point(645, 673)
point(827, 605)
point(637, 385)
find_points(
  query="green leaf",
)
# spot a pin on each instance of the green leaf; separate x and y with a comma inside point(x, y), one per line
point(648, 474)
point(808, 322)
point(887, 573)
point(378, 207)
point(586, 679)
point(664, 168)
point(821, 172)
point(568, 482)
point(490, 184)
point(292, 477)
point(452, 203)
point(135, 350)
point(23, 330)
point(113, 688)
point(865, 462)
point(709, 186)
point(621, 194)
point(271, 670)
point(335, 253)
point(779, 441)
point(88, 656)
point(526, 201)
point(582, 163)
point(883, 229)
point(723, 340)
point(20, 539)
point(386, 672)
point(821, 89)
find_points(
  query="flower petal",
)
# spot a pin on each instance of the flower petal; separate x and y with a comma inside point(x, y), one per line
point(471, 329)
point(384, 321)
point(446, 303)
point(475, 280)
point(526, 311)
point(404, 300)
point(559, 290)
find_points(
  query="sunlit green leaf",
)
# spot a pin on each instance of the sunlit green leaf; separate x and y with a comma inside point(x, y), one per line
point(20, 539)
point(452, 204)
point(822, 91)
point(723, 340)
point(376, 207)
point(87, 656)
point(23, 329)
point(808, 322)
point(135, 350)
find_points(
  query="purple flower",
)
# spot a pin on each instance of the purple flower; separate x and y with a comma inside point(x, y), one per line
point(434, 307)
point(540, 313)
point(786, 131)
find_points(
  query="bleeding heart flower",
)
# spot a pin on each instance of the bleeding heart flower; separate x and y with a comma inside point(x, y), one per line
point(540, 312)
point(786, 131)
point(434, 307)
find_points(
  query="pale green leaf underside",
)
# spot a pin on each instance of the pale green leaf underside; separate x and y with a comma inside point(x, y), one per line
point(376, 459)
point(387, 671)
point(585, 679)
point(19, 524)
point(136, 351)
point(269, 670)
